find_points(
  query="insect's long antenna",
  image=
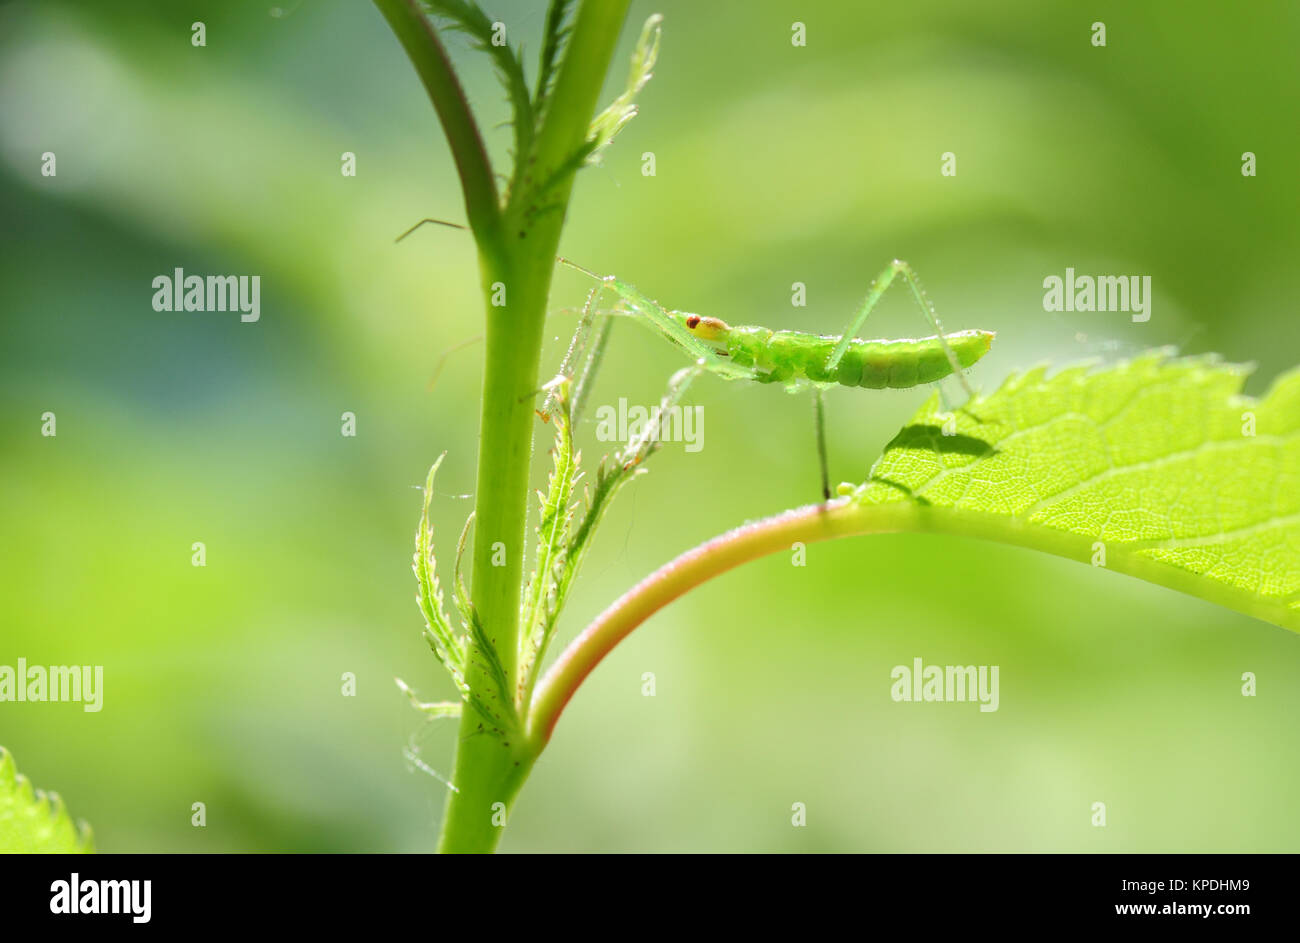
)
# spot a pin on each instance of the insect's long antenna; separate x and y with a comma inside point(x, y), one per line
point(575, 265)
point(443, 222)
point(440, 222)
point(442, 360)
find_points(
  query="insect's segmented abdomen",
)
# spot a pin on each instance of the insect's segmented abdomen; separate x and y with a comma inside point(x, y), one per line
point(875, 365)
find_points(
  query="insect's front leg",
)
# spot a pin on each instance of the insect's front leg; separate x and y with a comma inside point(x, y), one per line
point(580, 361)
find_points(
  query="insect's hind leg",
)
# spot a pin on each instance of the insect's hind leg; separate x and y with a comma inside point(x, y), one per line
point(580, 360)
point(878, 288)
point(927, 307)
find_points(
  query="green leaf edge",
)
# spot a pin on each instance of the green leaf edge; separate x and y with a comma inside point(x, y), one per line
point(33, 821)
point(1122, 556)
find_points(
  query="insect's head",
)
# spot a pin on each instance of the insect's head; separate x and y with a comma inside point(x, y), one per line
point(707, 329)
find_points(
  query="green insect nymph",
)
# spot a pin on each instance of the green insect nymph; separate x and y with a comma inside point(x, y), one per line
point(797, 359)
point(791, 356)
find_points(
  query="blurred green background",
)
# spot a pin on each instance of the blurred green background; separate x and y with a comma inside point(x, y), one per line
point(775, 164)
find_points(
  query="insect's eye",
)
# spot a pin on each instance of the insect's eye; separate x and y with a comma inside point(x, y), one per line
point(693, 321)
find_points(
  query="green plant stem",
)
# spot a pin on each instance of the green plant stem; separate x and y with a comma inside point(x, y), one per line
point(488, 777)
point(519, 255)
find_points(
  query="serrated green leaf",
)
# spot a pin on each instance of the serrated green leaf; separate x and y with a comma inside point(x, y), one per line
point(537, 620)
point(460, 593)
point(1156, 467)
point(466, 16)
point(558, 30)
point(496, 705)
point(627, 464)
point(33, 821)
point(443, 640)
point(607, 124)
